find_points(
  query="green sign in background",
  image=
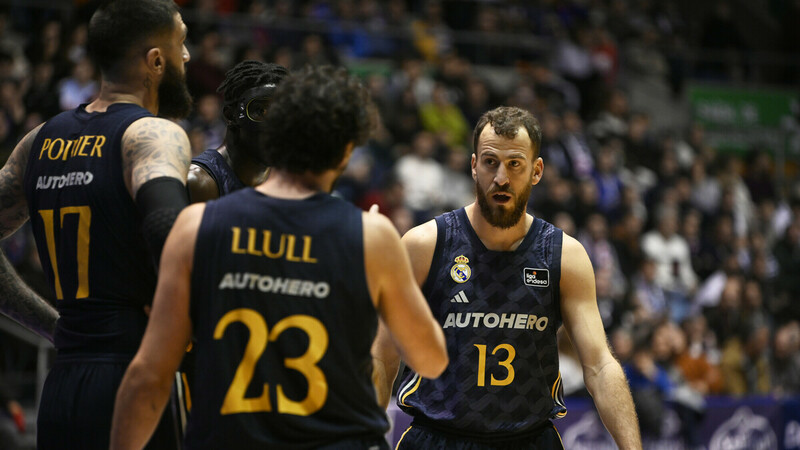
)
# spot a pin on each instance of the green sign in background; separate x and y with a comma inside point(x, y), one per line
point(739, 119)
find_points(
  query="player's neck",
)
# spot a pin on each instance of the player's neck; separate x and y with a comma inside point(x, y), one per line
point(111, 93)
point(494, 238)
point(247, 169)
point(283, 184)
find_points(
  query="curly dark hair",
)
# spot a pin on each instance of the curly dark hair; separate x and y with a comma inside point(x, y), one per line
point(314, 114)
point(246, 75)
point(120, 27)
point(506, 121)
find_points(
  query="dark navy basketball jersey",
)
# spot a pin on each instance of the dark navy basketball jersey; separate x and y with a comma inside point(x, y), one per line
point(86, 227)
point(215, 165)
point(500, 312)
point(284, 322)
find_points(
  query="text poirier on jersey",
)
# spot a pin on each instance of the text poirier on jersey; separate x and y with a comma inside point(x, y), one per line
point(517, 321)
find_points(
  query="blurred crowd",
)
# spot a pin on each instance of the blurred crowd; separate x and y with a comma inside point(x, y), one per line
point(696, 252)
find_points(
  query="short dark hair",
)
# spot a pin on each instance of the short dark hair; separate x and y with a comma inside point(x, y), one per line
point(246, 75)
point(506, 121)
point(314, 114)
point(120, 26)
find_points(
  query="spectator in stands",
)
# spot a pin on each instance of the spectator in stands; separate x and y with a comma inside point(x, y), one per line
point(786, 360)
point(696, 360)
point(745, 361)
point(80, 88)
point(649, 299)
point(442, 117)
point(606, 176)
point(422, 177)
point(674, 272)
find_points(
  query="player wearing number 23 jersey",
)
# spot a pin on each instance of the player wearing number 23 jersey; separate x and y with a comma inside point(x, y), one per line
point(282, 287)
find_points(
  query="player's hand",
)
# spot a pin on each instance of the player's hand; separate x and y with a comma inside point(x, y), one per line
point(147, 309)
point(373, 209)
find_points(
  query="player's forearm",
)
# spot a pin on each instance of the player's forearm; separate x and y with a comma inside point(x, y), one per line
point(140, 402)
point(612, 397)
point(383, 375)
point(20, 303)
point(385, 363)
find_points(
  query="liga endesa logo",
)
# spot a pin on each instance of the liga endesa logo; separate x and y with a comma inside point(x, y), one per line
point(536, 277)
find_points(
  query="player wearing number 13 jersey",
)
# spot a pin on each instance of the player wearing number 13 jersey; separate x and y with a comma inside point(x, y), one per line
point(500, 313)
point(287, 283)
point(501, 282)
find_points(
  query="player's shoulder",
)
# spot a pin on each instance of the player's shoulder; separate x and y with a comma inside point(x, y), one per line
point(201, 185)
point(155, 131)
point(575, 261)
point(189, 218)
point(421, 236)
point(377, 225)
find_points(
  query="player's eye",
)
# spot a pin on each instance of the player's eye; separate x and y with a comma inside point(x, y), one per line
point(257, 109)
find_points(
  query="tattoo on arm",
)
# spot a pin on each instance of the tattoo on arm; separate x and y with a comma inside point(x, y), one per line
point(153, 148)
point(13, 206)
point(20, 303)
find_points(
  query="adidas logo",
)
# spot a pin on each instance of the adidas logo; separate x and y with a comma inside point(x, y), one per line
point(459, 298)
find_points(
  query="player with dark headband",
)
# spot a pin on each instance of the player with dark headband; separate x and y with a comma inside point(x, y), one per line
point(246, 90)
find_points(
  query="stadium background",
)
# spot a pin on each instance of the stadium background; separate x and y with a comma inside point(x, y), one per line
point(667, 125)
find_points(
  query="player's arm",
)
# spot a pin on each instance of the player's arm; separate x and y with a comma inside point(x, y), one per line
point(400, 303)
point(400, 322)
point(602, 373)
point(155, 158)
point(144, 391)
point(13, 205)
point(201, 185)
point(17, 300)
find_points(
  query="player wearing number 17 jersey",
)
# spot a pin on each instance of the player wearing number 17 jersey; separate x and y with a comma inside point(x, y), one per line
point(501, 282)
point(101, 185)
point(287, 284)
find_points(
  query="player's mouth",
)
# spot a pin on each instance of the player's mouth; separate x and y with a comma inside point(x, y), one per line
point(501, 198)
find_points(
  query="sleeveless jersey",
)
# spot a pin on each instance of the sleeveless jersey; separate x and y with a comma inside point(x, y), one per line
point(215, 165)
point(284, 322)
point(86, 226)
point(500, 312)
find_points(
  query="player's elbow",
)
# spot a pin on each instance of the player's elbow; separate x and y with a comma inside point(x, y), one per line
point(143, 380)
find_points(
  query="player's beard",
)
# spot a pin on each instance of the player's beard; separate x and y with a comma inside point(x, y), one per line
point(174, 100)
point(497, 215)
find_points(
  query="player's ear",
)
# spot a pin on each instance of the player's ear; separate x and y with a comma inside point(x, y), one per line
point(538, 171)
point(227, 114)
point(155, 61)
point(473, 166)
point(348, 151)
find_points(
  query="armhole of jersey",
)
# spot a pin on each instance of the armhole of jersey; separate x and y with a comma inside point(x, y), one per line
point(441, 230)
point(557, 246)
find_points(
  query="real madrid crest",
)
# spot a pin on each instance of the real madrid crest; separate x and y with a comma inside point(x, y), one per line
point(460, 271)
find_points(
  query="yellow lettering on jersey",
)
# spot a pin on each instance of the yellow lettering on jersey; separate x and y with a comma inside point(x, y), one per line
point(307, 250)
point(98, 146)
point(268, 244)
point(290, 251)
point(251, 242)
point(235, 241)
point(80, 146)
point(62, 149)
point(45, 145)
point(60, 143)
point(286, 246)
